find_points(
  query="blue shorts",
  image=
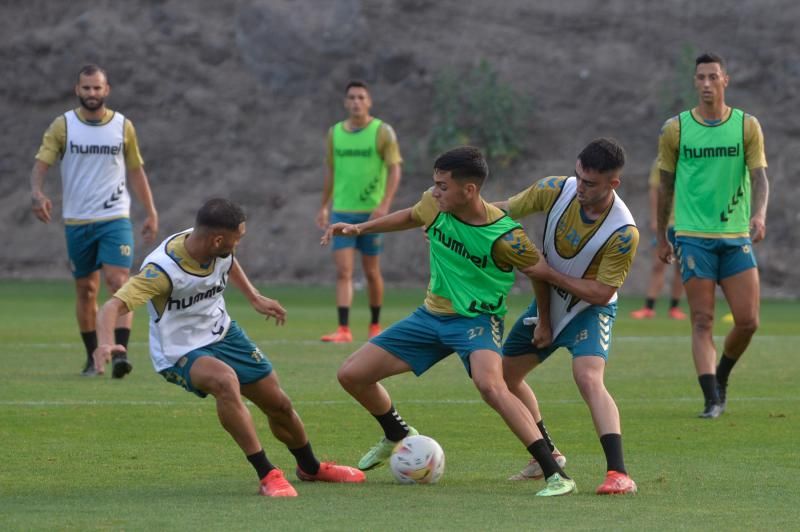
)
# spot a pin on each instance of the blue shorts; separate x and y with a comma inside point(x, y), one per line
point(91, 245)
point(369, 245)
point(588, 334)
point(235, 350)
point(714, 258)
point(424, 338)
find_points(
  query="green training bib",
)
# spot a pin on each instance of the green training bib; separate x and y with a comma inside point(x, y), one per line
point(462, 267)
point(712, 183)
point(359, 173)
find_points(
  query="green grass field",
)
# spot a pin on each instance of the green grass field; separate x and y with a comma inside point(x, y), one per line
point(141, 454)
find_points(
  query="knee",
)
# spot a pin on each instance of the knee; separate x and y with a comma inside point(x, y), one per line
point(224, 385)
point(513, 382)
point(490, 391)
point(281, 408)
point(372, 274)
point(344, 274)
point(347, 378)
point(702, 322)
point(87, 292)
point(115, 282)
point(748, 326)
point(589, 385)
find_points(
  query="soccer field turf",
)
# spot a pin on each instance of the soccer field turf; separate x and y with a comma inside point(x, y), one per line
point(89, 454)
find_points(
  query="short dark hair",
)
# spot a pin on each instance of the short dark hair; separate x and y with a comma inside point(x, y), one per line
point(220, 213)
point(709, 57)
point(355, 83)
point(90, 70)
point(602, 155)
point(464, 163)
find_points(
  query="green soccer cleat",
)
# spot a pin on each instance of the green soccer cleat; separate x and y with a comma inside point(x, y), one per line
point(380, 452)
point(558, 486)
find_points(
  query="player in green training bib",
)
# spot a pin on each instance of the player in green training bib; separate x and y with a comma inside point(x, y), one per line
point(474, 247)
point(713, 169)
point(362, 172)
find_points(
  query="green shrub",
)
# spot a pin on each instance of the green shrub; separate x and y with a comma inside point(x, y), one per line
point(477, 107)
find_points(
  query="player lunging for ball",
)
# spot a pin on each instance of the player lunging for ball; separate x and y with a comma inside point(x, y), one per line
point(195, 344)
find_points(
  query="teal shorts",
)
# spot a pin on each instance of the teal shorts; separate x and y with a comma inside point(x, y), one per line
point(588, 334)
point(714, 258)
point(236, 350)
point(369, 245)
point(90, 246)
point(424, 338)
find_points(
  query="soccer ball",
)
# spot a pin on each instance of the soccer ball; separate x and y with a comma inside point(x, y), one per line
point(417, 460)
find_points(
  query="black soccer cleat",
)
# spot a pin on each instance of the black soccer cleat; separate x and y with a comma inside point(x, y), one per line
point(712, 410)
point(120, 365)
point(722, 390)
point(88, 369)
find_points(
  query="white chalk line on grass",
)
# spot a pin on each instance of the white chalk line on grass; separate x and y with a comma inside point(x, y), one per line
point(616, 338)
point(78, 402)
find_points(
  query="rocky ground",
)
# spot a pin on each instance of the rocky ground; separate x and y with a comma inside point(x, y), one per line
point(233, 98)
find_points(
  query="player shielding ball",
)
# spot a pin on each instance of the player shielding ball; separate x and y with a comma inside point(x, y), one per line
point(474, 248)
point(195, 344)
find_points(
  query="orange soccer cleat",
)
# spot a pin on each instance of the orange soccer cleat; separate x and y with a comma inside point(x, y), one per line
point(616, 483)
point(676, 313)
point(643, 313)
point(276, 485)
point(374, 330)
point(341, 336)
point(330, 472)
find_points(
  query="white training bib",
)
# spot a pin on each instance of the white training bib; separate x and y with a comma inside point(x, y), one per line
point(93, 169)
point(195, 314)
point(563, 305)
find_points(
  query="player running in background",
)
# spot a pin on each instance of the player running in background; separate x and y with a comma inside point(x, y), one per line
point(710, 157)
point(658, 267)
point(589, 242)
point(195, 344)
point(97, 150)
point(473, 250)
point(362, 172)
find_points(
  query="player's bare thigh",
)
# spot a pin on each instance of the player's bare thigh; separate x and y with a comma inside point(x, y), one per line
point(743, 293)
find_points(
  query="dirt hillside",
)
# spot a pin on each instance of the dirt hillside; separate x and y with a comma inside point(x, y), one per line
point(234, 98)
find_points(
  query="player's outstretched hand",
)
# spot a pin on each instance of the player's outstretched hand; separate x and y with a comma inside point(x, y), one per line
point(339, 229)
point(102, 355)
point(270, 308)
